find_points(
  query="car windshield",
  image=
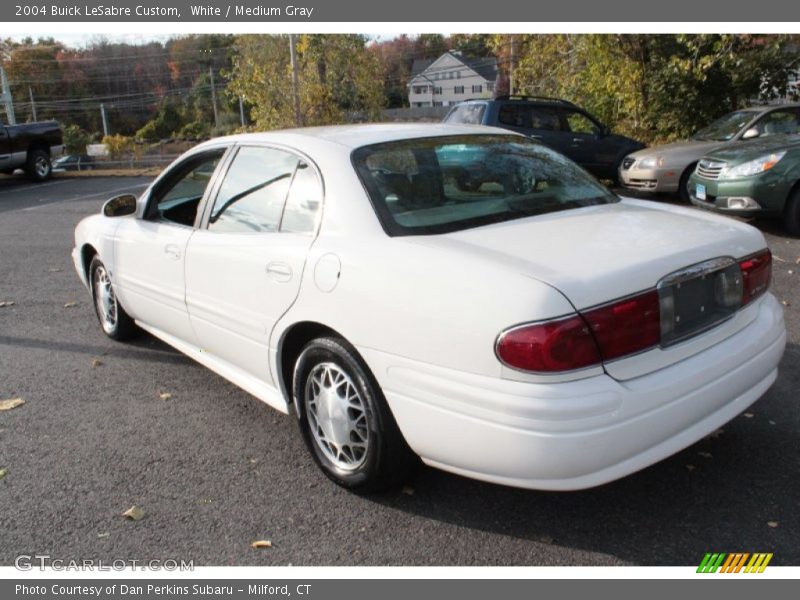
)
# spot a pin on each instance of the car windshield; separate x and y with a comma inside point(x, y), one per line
point(725, 128)
point(444, 184)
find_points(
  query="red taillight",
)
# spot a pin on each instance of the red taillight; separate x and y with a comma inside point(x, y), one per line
point(627, 326)
point(756, 275)
point(548, 347)
point(579, 341)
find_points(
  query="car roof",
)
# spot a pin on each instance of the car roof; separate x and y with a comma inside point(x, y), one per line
point(356, 136)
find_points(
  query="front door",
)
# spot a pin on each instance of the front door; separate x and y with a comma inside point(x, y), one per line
point(244, 266)
point(149, 252)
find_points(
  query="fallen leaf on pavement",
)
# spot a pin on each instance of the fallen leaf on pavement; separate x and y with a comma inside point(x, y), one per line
point(772, 524)
point(705, 454)
point(134, 513)
point(3, 473)
point(7, 303)
point(790, 272)
point(785, 303)
point(408, 490)
point(772, 422)
point(103, 535)
point(778, 258)
point(70, 305)
point(165, 395)
point(261, 544)
point(717, 433)
point(96, 362)
point(54, 269)
point(690, 467)
point(11, 403)
point(748, 415)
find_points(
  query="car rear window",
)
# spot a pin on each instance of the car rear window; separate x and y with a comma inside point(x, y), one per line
point(467, 114)
point(443, 184)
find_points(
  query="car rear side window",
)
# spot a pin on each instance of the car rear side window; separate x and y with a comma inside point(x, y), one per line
point(444, 184)
point(467, 114)
point(253, 194)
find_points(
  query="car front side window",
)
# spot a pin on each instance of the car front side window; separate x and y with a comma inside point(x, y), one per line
point(580, 123)
point(779, 121)
point(177, 197)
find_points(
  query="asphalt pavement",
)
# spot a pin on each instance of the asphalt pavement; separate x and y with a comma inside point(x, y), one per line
point(214, 469)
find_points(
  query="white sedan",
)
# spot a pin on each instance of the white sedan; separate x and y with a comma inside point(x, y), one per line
point(454, 294)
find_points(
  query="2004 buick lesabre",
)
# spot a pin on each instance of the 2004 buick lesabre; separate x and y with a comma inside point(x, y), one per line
point(458, 294)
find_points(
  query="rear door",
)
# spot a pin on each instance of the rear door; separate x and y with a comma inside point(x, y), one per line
point(541, 123)
point(245, 264)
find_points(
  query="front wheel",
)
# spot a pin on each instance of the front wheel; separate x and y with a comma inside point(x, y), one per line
point(38, 166)
point(791, 213)
point(683, 184)
point(116, 323)
point(345, 420)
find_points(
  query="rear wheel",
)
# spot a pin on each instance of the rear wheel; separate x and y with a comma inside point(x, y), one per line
point(115, 322)
point(38, 166)
point(683, 184)
point(791, 213)
point(345, 420)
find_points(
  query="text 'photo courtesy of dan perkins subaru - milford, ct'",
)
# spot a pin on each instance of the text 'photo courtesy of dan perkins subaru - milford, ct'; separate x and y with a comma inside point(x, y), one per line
point(347, 298)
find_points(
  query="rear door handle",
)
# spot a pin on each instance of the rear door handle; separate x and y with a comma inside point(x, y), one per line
point(173, 251)
point(578, 140)
point(279, 271)
point(536, 137)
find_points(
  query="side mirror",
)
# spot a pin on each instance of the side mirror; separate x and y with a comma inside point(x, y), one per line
point(751, 133)
point(120, 206)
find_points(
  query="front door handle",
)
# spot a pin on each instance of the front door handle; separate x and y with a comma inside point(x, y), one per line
point(173, 251)
point(578, 140)
point(279, 271)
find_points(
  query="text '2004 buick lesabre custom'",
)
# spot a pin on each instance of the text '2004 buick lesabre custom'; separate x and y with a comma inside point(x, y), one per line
point(457, 294)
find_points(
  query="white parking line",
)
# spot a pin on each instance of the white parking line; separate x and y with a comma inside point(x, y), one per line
point(107, 193)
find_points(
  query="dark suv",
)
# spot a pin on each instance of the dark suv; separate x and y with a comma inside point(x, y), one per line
point(559, 124)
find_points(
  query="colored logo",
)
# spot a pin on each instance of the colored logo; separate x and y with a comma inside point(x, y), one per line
point(735, 562)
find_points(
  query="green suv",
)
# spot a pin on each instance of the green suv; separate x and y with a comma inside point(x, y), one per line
point(755, 178)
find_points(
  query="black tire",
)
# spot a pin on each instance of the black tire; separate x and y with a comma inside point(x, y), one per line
point(791, 213)
point(683, 184)
point(122, 327)
point(38, 166)
point(386, 460)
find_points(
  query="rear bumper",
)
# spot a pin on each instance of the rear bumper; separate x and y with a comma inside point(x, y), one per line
point(578, 434)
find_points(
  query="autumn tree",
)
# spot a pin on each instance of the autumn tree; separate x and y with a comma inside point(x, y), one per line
point(339, 79)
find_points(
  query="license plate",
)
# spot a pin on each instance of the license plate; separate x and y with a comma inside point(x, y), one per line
point(700, 191)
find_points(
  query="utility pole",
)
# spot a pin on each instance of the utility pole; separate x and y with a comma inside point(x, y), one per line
point(33, 104)
point(104, 118)
point(511, 69)
point(6, 99)
point(214, 96)
point(241, 111)
point(295, 81)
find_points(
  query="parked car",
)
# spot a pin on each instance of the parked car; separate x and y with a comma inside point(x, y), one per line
point(73, 162)
point(30, 146)
point(531, 329)
point(559, 124)
point(667, 168)
point(752, 179)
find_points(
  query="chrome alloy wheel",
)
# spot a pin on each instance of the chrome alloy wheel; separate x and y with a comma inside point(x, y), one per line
point(337, 416)
point(104, 299)
point(42, 166)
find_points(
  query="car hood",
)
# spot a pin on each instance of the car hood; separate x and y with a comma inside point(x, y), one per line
point(600, 253)
point(689, 150)
point(752, 149)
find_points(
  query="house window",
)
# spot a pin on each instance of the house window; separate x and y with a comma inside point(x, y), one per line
point(489, 86)
point(437, 91)
point(420, 89)
point(450, 75)
point(477, 89)
point(459, 89)
point(458, 74)
point(436, 103)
